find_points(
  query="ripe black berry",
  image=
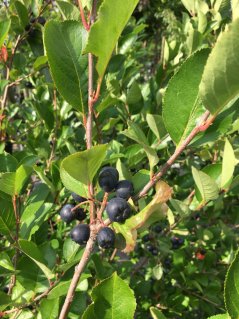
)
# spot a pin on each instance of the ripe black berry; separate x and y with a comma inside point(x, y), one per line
point(80, 234)
point(108, 178)
point(77, 198)
point(41, 20)
point(79, 214)
point(106, 238)
point(157, 228)
point(177, 242)
point(118, 210)
point(66, 213)
point(125, 189)
point(29, 85)
point(146, 238)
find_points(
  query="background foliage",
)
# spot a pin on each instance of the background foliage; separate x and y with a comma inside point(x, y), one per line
point(157, 84)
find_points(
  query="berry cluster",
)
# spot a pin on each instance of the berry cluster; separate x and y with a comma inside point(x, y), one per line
point(118, 209)
point(177, 242)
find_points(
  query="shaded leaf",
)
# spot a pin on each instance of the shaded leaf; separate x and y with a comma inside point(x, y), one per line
point(156, 314)
point(68, 10)
point(4, 28)
point(206, 185)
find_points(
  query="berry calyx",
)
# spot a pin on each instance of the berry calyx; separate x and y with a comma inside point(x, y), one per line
point(118, 210)
point(124, 189)
point(106, 238)
point(80, 234)
point(108, 178)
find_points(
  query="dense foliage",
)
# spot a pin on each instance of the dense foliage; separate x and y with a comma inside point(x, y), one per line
point(167, 77)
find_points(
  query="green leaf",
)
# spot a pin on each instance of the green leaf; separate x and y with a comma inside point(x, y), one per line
point(224, 316)
point(7, 183)
point(5, 261)
point(79, 169)
point(4, 300)
point(113, 299)
point(4, 28)
point(106, 31)
point(12, 183)
point(8, 163)
point(207, 186)
point(182, 106)
point(64, 42)
point(219, 86)
point(22, 174)
point(68, 10)
point(22, 13)
point(135, 133)
point(49, 308)
point(89, 312)
point(62, 288)
point(231, 292)
point(235, 9)
point(40, 62)
point(70, 249)
point(156, 314)
point(228, 165)
point(156, 124)
point(7, 219)
point(32, 251)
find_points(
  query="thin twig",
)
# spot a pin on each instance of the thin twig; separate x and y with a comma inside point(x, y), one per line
point(204, 124)
point(84, 22)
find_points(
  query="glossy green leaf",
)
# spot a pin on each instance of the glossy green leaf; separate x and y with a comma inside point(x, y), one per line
point(32, 251)
point(113, 299)
point(22, 13)
point(228, 165)
point(219, 86)
point(106, 31)
point(4, 28)
point(79, 169)
point(89, 312)
point(182, 106)
point(206, 185)
point(231, 292)
point(135, 133)
point(64, 42)
point(156, 314)
point(49, 308)
point(68, 10)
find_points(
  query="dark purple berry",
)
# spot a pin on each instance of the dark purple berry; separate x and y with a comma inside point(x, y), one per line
point(124, 189)
point(118, 210)
point(108, 178)
point(106, 238)
point(66, 213)
point(80, 234)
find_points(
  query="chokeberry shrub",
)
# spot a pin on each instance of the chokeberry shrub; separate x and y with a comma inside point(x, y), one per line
point(118, 159)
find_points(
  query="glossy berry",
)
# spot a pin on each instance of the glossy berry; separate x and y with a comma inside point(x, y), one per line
point(106, 238)
point(125, 189)
point(108, 178)
point(177, 242)
point(79, 214)
point(66, 213)
point(77, 198)
point(118, 210)
point(80, 234)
